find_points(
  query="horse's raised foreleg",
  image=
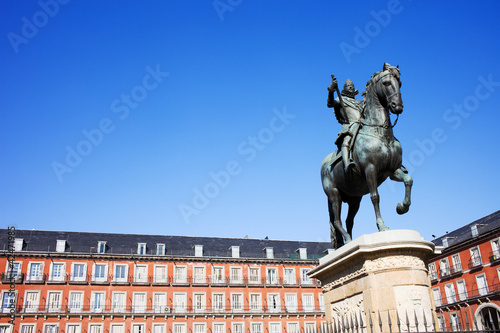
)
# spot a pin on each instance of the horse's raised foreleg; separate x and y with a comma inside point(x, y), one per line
point(353, 209)
point(371, 181)
point(400, 176)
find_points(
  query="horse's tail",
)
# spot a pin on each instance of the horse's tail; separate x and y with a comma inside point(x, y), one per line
point(335, 235)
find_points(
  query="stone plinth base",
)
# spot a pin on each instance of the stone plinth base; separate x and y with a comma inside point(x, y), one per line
point(379, 277)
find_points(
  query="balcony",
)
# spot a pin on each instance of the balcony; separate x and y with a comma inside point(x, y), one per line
point(495, 256)
point(35, 279)
point(475, 263)
point(469, 294)
point(15, 278)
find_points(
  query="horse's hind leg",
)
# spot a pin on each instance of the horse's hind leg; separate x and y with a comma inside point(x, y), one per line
point(336, 202)
point(353, 209)
point(400, 176)
point(371, 181)
point(336, 237)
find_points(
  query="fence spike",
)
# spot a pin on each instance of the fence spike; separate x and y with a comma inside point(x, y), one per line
point(356, 322)
point(398, 321)
point(371, 321)
point(407, 321)
point(352, 323)
point(389, 320)
point(416, 319)
point(491, 319)
point(425, 319)
point(474, 321)
point(361, 324)
point(380, 321)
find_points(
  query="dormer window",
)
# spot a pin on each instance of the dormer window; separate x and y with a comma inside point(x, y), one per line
point(160, 249)
point(18, 244)
point(269, 252)
point(101, 247)
point(474, 230)
point(141, 248)
point(198, 250)
point(302, 253)
point(60, 245)
point(235, 251)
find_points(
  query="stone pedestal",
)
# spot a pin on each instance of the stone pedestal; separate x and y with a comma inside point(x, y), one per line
point(379, 280)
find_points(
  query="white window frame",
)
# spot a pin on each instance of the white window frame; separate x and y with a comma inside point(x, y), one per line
point(160, 305)
point(101, 247)
point(180, 274)
point(95, 328)
point(113, 328)
point(236, 275)
point(199, 278)
point(47, 325)
point(476, 260)
point(60, 245)
point(141, 273)
point(199, 302)
point(237, 302)
point(160, 278)
point(180, 302)
point(137, 327)
point(160, 249)
point(450, 293)
point(218, 302)
point(78, 278)
point(273, 302)
point(218, 327)
point(61, 277)
point(256, 327)
point(432, 271)
point(306, 298)
point(178, 327)
point(255, 305)
point(199, 327)
point(3, 294)
point(444, 267)
point(272, 278)
point(97, 303)
point(462, 294)
point(117, 278)
point(54, 301)
point(436, 293)
point(218, 275)
point(72, 308)
point(17, 272)
point(482, 290)
point(30, 276)
point(289, 277)
point(456, 262)
point(119, 301)
point(77, 326)
point(291, 304)
point(141, 248)
point(292, 327)
point(96, 278)
point(22, 328)
point(138, 305)
point(321, 302)
point(31, 305)
point(275, 327)
point(304, 279)
point(161, 325)
point(252, 277)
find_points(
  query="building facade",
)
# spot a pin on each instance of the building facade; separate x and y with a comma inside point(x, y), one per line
point(72, 282)
point(465, 276)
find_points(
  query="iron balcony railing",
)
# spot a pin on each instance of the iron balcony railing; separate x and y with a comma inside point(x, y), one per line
point(467, 295)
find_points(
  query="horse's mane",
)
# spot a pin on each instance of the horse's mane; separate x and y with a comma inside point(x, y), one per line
point(375, 76)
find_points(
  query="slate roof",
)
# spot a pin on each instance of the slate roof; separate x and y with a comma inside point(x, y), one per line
point(81, 242)
point(485, 225)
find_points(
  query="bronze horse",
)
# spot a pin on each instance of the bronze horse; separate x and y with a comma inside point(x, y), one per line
point(377, 153)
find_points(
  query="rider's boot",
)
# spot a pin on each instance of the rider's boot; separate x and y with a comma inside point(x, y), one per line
point(348, 161)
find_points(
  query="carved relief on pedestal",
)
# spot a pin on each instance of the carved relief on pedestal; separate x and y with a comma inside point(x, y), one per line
point(394, 262)
point(413, 303)
point(349, 310)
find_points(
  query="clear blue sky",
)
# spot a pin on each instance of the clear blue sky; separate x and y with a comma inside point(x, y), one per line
point(115, 115)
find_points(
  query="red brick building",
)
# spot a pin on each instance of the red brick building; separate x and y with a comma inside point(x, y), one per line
point(465, 276)
point(72, 282)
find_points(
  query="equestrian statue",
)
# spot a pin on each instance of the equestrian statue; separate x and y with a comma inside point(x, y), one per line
point(367, 151)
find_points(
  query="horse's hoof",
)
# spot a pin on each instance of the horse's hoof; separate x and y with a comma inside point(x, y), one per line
point(382, 227)
point(401, 209)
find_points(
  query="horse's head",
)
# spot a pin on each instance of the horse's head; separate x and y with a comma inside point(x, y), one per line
point(386, 85)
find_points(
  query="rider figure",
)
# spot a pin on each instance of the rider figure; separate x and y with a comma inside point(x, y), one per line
point(348, 111)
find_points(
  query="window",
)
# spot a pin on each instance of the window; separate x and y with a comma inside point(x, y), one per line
point(60, 245)
point(73, 328)
point(179, 302)
point(482, 284)
point(35, 271)
point(218, 302)
point(78, 272)
point(462, 290)
point(95, 328)
point(5, 328)
point(97, 300)
point(179, 328)
point(30, 328)
point(138, 328)
point(8, 301)
point(159, 328)
point(321, 301)
point(199, 328)
point(441, 323)
point(117, 328)
point(50, 328)
point(219, 328)
point(160, 302)
point(119, 299)
point(141, 273)
point(255, 302)
point(254, 275)
point(273, 302)
point(238, 328)
point(293, 328)
point(237, 302)
point(309, 327)
point(457, 264)
point(302, 253)
point(475, 257)
point(75, 301)
point(454, 321)
point(437, 296)
point(160, 249)
point(495, 249)
point(291, 302)
point(444, 267)
point(236, 275)
point(256, 328)
point(141, 248)
point(101, 247)
point(139, 302)
point(13, 270)
point(308, 302)
point(58, 272)
point(100, 272)
point(289, 276)
point(18, 244)
point(199, 274)
point(54, 301)
point(161, 274)
point(180, 274)
point(198, 250)
point(235, 251)
point(199, 302)
point(272, 275)
point(304, 278)
point(31, 301)
point(474, 231)
point(269, 252)
point(449, 291)
point(432, 271)
point(276, 328)
point(121, 272)
point(218, 275)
